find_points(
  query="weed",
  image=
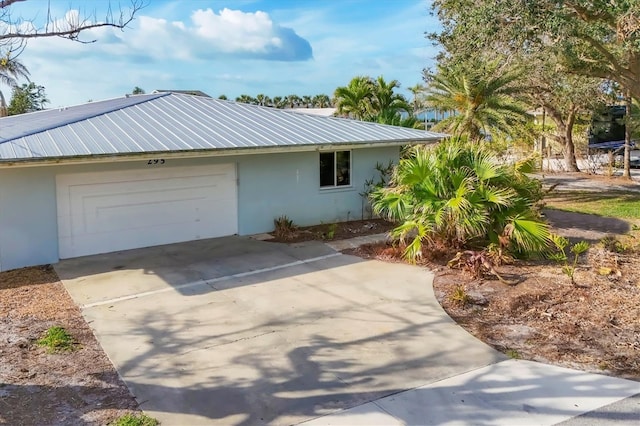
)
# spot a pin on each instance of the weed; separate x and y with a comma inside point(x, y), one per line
point(561, 256)
point(512, 353)
point(134, 420)
point(284, 228)
point(331, 231)
point(56, 339)
point(460, 296)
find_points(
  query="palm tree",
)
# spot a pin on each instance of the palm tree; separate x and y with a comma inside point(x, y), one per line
point(384, 100)
point(278, 102)
point(395, 119)
point(306, 101)
point(246, 99)
point(293, 100)
point(321, 101)
point(458, 194)
point(260, 99)
point(354, 100)
point(223, 97)
point(482, 96)
point(417, 91)
point(10, 70)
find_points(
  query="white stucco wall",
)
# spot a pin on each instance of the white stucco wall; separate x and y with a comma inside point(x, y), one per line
point(269, 185)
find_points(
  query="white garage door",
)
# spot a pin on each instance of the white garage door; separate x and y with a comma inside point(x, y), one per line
point(111, 211)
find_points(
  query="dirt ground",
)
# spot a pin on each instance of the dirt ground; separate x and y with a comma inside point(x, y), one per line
point(39, 388)
point(339, 231)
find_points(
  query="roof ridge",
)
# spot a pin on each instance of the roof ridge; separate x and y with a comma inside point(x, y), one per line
point(44, 128)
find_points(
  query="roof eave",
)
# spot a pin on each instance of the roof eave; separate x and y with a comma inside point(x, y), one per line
point(218, 152)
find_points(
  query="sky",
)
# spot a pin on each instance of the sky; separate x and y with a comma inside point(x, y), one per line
point(231, 47)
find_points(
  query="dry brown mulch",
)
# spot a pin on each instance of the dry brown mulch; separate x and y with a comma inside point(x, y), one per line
point(335, 231)
point(593, 326)
point(36, 387)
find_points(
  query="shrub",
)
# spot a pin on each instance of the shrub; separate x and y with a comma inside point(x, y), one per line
point(457, 193)
point(284, 228)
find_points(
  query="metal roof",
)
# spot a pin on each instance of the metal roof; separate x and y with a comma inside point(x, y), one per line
point(172, 122)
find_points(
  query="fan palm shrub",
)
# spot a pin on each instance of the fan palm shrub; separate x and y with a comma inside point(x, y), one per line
point(457, 193)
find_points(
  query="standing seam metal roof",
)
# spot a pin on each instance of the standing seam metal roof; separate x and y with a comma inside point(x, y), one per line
point(170, 122)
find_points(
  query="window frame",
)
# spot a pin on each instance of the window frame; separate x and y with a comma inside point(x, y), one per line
point(335, 185)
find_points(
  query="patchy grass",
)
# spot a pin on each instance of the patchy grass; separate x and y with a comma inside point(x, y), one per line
point(622, 205)
point(135, 420)
point(56, 339)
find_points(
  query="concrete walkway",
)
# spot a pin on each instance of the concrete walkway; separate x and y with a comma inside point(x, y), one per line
point(238, 331)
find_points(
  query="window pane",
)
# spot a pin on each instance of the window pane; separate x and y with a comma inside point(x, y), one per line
point(327, 169)
point(343, 168)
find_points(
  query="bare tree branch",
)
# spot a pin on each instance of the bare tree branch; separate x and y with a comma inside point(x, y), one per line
point(71, 29)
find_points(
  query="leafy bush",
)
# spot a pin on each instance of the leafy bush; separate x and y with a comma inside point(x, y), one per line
point(458, 194)
point(56, 339)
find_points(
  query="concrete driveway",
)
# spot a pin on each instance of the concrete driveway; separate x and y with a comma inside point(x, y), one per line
point(237, 331)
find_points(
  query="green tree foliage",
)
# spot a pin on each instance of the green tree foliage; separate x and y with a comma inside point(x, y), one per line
point(321, 101)
point(483, 95)
point(354, 99)
point(27, 98)
point(592, 38)
point(372, 100)
point(10, 71)
point(138, 91)
point(458, 194)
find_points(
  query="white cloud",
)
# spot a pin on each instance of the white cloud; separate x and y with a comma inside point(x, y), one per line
point(229, 33)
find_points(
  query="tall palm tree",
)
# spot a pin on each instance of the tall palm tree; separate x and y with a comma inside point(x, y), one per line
point(418, 93)
point(10, 71)
point(385, 100)
point(482, 95)
point(354, 100)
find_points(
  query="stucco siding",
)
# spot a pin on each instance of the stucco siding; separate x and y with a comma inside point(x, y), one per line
point(269, 185)
point(28, 223)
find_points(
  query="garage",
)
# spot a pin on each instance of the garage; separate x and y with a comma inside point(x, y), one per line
point(110, 211)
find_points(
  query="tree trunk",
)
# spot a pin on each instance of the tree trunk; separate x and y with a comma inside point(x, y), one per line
point(569, 147)
point(3, 106)
point(564, 135)
point(627, 137)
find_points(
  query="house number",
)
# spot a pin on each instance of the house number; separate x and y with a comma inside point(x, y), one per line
point(155, 161)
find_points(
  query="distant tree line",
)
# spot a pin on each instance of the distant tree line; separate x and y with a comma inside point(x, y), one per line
point(289, 101)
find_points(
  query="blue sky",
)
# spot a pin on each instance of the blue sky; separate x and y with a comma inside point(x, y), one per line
point(275, 47)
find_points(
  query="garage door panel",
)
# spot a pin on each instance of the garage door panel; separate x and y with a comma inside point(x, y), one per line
point(103, 212)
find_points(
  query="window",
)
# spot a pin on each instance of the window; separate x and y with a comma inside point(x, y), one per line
point(335, 169)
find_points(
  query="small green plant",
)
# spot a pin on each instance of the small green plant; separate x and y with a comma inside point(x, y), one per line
point(512, 353)
point(331, 231)
point(460, 296)
point(134, 420)
point(561, 244)
point(56, 339)
point(284, 228)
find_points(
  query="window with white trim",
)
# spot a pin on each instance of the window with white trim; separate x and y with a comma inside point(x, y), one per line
point(335, 169)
